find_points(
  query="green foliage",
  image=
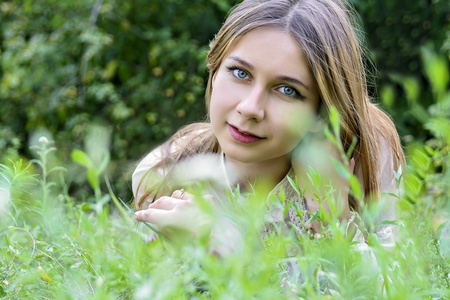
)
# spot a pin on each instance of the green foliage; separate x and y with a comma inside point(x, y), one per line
point(396, 33)
point(136, 67)
point(93, 172)
point(430, 161)
point(112, 78)
point(428, 179)
point(99, 254)
point(397, 29)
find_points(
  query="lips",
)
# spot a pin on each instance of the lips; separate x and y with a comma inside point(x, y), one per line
point(243, 137)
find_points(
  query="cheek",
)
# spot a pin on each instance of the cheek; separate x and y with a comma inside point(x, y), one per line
point(297, 123)
point(224, 96)
point(217, 107)
point(212, 108)
point(214, 101)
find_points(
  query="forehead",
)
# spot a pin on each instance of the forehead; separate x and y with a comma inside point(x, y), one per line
point(265, 42)
point(274, 37)
point(272, 50)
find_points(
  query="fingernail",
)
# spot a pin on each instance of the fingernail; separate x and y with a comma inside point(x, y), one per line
point(137, 215)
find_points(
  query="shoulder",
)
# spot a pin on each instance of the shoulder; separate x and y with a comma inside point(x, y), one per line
point(388, 166)
point(167, 151)
point(149, 161)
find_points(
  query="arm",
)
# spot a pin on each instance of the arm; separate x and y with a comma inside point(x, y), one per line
point(389, 196)
point(318, 154)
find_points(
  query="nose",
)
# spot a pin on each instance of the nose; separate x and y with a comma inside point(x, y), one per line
point(252, 105)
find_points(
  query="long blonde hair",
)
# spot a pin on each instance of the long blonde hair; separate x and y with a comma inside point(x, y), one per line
point(326, 33)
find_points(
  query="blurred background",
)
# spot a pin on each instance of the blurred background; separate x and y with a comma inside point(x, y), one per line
point(124, 75)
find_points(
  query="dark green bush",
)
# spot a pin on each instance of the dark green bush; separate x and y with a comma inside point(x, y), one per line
point(396, 31)
point(136, 67)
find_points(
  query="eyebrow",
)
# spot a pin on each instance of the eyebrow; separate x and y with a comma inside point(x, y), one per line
point(282, 78)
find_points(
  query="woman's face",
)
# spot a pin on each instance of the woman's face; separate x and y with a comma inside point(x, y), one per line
point(263, 98)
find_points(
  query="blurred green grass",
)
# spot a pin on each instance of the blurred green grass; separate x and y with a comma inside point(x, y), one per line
point(62, 235)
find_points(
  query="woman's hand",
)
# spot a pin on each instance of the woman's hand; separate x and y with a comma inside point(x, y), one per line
point(318, 154)
point(177, 216)
point(180, 220)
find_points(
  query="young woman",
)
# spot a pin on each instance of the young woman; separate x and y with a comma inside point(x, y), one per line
point(276, 67)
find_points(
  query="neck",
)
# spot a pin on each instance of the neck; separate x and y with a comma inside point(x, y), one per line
point(261, 175)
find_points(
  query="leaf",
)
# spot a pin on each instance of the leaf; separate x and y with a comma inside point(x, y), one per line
point(410, 85)
point(441, 227)
point(387, 222)
point(387, 95)
point(21, 258)
point(429, 150)
point(436, 69)
point(125, 215)
point(56, 169)
point(340, 168)
point(352, 147)
point(330, 136)
point(110, 69)
point(81, 158)
point(43, 274)
point(398, 175)
point(294, 185)
point(334, 120)
point(314, 178)
point(86, 206)
point(355, 187)
point(439, 127)
point(101, 202)
point(315, 216)
point(92, 176)
point(393, 195)
point(286, 207)
point(105, 161)
point(105, 199)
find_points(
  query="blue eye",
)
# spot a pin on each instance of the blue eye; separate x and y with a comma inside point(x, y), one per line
point(238, 73)
point(241, 74)
point(288, 91)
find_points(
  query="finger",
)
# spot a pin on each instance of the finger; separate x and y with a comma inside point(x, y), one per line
point(164, 202)
point(351, 164)
point(182, 194)
point(178, 194)
point(165, 219)
point(158, 217)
